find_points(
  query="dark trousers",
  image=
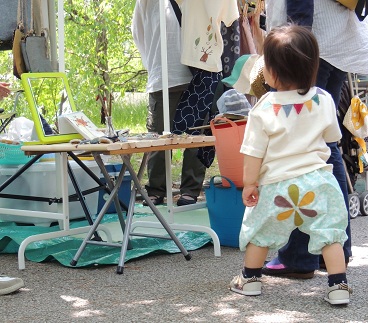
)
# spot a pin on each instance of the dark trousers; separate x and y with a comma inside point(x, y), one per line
point(295, 253)
point(192, 172)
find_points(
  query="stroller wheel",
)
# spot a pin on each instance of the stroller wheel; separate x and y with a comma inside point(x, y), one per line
point(354, 205)
point(364, 203)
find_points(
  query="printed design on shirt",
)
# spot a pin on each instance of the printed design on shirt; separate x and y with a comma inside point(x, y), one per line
point(211, 40)
point(298, 107)
point(296, 207)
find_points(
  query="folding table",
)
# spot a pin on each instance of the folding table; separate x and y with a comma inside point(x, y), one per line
point(125, 150)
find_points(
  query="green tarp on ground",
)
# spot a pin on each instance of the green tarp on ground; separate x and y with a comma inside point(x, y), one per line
point(63, 249)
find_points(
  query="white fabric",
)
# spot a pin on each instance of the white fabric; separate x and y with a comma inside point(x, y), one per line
point(146, 35)
point(276, 13)
point(291, 143)
point(342, 38)
point(201, 31)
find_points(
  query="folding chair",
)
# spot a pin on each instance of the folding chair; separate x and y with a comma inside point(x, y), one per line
point(7, 117)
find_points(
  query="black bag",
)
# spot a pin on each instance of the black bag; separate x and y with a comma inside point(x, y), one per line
point(35, 45)
point(35, 53)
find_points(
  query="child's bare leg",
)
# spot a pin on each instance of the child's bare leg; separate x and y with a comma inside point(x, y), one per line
point(338, 291)
point(255, 256)
point(248, 282)
point(334, 258)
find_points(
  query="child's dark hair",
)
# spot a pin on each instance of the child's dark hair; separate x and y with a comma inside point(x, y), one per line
point(291, 54)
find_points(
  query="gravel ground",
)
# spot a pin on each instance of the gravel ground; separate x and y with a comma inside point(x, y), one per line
point(167, 288)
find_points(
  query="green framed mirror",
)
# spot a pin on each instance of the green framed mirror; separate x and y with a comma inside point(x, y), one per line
point(48, 96)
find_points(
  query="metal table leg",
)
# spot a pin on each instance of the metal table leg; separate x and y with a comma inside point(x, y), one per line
point(127, 233)
point(129, 218)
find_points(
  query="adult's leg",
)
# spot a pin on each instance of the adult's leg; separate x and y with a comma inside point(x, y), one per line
point(192, 111)
point(295, 256)
point(193, 173)
point(340, 174)
point(155, 123)
point(331, 79)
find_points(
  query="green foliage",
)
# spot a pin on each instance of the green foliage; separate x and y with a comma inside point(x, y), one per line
point(100, 53)
point(177, 155)
point(6, 64)
point(131, 116)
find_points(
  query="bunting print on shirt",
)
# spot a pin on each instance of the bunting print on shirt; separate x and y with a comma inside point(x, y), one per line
point(298, 107)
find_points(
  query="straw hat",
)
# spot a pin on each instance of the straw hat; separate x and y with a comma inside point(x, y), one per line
point(257, 80)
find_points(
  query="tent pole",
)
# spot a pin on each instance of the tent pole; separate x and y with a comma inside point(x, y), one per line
point(166, 110)
point(61, 35)
point(52, 30)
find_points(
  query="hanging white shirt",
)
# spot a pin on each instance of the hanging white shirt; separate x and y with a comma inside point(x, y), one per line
point(146, 35)
point(201, 31)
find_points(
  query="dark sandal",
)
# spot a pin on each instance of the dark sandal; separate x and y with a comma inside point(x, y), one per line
point(156, 200)
point(186, 199)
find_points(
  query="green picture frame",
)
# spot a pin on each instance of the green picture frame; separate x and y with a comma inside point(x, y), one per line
point(45, 91)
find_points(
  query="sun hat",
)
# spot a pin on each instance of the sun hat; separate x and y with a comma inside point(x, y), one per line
point(233, 102)
point(247, 76)
point(239, 78)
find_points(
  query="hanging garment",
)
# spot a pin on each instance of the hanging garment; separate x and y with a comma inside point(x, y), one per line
point(231, 38)
point(195, 107)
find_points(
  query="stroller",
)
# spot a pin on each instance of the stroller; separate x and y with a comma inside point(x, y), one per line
point(358, 199)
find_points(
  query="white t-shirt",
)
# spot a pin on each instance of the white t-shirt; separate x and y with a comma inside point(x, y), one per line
point(201, 31)
point(289, 132)
point(342, 38)
point(146, 35)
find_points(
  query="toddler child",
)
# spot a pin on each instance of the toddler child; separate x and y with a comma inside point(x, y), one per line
point(287, 182)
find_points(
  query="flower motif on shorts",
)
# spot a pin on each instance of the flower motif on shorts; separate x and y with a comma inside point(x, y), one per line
point(296, 207)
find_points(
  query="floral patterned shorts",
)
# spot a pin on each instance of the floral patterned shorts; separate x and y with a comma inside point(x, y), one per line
point(312, 202)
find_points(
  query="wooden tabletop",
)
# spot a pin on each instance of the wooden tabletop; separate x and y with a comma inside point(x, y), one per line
point(122, 148)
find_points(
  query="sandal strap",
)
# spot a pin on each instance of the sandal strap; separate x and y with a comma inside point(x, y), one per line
point(189, 197)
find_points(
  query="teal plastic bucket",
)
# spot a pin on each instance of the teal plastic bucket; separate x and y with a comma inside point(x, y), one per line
point(225, 210)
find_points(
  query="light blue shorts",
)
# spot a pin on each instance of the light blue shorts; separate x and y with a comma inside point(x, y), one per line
point(313, 203)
